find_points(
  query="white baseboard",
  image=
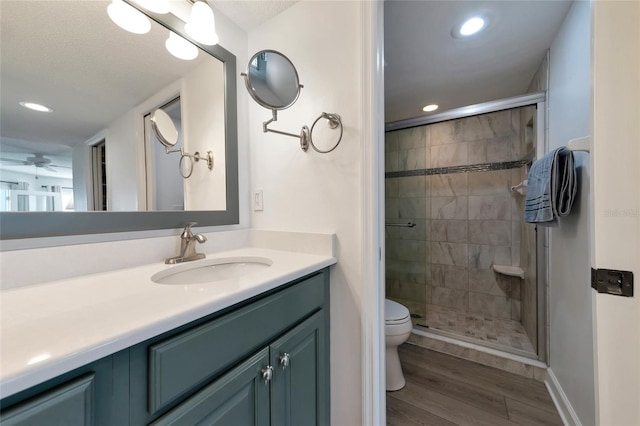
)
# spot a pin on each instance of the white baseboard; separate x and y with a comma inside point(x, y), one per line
point(566, 411)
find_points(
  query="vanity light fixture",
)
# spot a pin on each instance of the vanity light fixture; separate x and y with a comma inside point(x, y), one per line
point(156, 6)
point(470, 27)
point(180, 48)
point(128, 18)
point(201, 25)
point(430, 108)
point(35, 107)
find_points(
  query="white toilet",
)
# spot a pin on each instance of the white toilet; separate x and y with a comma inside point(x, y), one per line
point(397, 328)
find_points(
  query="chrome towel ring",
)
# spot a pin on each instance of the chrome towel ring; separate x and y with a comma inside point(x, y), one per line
point(334, 122)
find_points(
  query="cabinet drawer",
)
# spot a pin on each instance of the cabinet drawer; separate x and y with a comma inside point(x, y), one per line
point(192, 358)
point(68, 405)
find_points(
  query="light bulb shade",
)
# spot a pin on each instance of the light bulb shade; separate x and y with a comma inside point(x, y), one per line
point(128, 18)
point(156, 6)
point(180, 48)
point(202, 24)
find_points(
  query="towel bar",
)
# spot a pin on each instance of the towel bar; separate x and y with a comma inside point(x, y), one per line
point(579, 144)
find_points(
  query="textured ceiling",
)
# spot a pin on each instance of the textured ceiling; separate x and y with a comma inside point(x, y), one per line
point(248, 14)
point(425, 64)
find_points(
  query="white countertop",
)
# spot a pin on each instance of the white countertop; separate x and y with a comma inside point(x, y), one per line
point(52, 328)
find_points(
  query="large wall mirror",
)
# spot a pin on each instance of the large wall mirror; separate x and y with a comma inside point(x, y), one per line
point(93, 164)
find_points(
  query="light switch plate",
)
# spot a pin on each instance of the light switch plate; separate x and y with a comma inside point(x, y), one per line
point(257, 200)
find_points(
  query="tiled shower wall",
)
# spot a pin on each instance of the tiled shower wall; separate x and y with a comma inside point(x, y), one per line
point(465, 222)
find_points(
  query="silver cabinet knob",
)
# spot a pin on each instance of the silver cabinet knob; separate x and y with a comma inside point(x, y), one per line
point(267, 374)
point(284, 360)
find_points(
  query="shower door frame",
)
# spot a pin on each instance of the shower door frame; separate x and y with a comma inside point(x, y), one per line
point(537, 99)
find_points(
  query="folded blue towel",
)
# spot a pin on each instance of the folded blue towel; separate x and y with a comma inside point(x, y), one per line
point(552, 187)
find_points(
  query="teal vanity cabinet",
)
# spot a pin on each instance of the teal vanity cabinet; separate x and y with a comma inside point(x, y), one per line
point(264, 361)
point(93, 395)
point(272, 348)
point(282, 384)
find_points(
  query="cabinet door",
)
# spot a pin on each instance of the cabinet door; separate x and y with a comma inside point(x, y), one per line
point(239, 398)
point(68, 405)
point(300, 378)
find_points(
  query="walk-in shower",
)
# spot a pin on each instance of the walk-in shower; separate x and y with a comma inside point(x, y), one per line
point(458, 253)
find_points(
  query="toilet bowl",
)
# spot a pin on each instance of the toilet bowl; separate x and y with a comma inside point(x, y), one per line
point(397, 328)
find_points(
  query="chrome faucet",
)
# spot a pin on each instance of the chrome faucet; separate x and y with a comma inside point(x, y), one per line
point(188, 246)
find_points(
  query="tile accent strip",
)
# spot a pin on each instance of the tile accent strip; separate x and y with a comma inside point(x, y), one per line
point(485, 167)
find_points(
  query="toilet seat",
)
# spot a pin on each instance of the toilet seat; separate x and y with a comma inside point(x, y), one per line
point(395, 313)
point(397, 320)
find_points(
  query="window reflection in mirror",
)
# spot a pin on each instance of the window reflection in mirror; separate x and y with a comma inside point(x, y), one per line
point(35, 182)
point(89, 153)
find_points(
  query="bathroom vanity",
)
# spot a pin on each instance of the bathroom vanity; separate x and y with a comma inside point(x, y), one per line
point(249, 351)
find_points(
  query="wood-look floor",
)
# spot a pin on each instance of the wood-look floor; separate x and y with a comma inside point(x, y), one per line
point(445, 390)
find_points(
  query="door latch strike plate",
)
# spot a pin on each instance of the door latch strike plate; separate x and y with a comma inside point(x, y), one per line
point(619, 283)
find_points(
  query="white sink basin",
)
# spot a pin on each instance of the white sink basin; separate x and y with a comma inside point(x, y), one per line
point(211, 270)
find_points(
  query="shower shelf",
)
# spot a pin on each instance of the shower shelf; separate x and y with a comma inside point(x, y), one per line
point(513, 271)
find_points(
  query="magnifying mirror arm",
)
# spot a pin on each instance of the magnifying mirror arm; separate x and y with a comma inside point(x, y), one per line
point(303, 136)
point(196, 156)
point(169, 151)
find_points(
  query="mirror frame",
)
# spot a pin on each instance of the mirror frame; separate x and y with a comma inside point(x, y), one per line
point(19, 225)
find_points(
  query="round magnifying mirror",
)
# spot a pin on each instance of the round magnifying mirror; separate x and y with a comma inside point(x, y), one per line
point(164, 128)
point(272, 80)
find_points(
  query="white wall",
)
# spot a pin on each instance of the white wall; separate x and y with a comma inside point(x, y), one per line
point(123, 161)
point(616, 205)
point(571, 335)
point(313, 192)
point(202, 100)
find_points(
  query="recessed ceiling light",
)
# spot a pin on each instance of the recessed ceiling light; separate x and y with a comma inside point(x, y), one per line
point(36, 107)
point(430, 108)
point(472, 26)
point(469, 27)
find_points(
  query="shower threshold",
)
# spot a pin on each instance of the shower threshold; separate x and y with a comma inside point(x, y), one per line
point(500, 334)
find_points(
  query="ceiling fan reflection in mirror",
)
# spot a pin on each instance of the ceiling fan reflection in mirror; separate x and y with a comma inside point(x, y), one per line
point(38, 160)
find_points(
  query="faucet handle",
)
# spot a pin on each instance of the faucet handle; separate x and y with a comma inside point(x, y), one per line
point(186, 233)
